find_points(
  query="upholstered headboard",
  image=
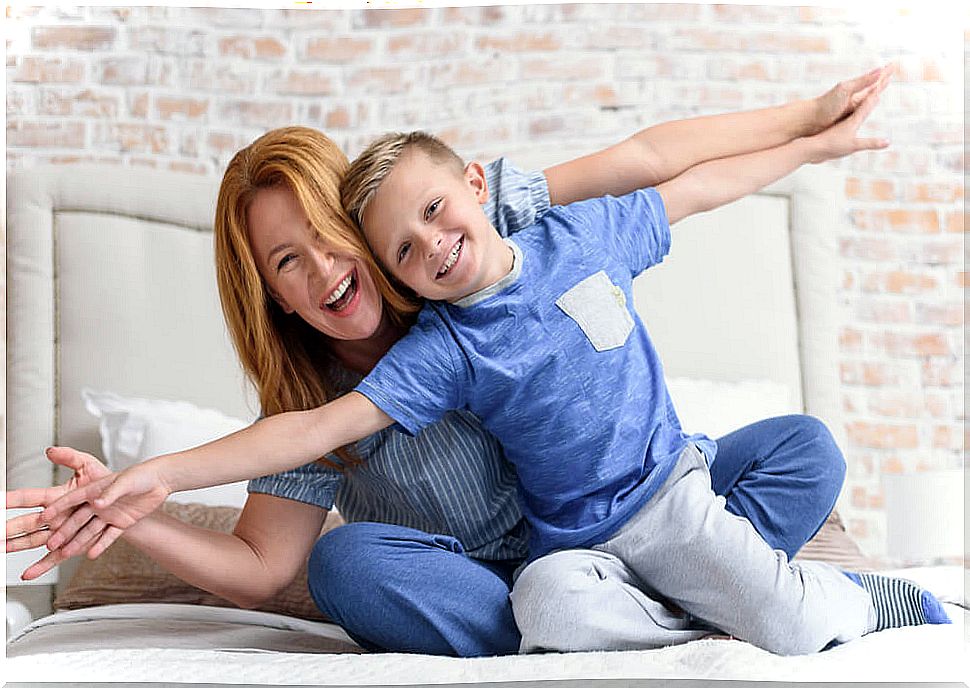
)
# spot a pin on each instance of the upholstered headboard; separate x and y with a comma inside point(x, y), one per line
point(111, 286)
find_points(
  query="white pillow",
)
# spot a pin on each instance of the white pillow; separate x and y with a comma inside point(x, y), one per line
point(134, 429)
point(716, 408)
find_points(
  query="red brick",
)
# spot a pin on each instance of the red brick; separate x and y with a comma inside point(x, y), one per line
point(373, 19)
point(904, 282)
point(937, 253)
point(138, 104)
point(858, 496)
point(168, 107)
point(523, 41)
point(898, 220)
point(896, 405)
point(49, 70)
point(338, 49)
point(253, 114)
point(134, 138)
point(252, 47)
point(870, 189)
point(850, 340)
point(872, 310)
point(563, 67)
point(167, 39)
point(754, 14)
point(618, 37)
point(868, 373)
point(955, 222)
point(934, 192)
point(662, 12)
point(897, 344)
point(85, 38)
point(770, 42)
point(384, 80)
point(225, 78)
point(961, 279)
point(945, 315)
point(937, 405)
point(602, 95)
point(188, 167)
point(423, 45)
point(858, 528)
point(45, 134)
point(882, 436)
point(315, 17)
point(86, 103)
point(222, 142)
point(21, 101)
point(941, 373)
point(303, 82)
point(867, 249)
point(892, 465)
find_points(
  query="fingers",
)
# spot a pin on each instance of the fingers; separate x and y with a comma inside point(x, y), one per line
point(65, 456)
point(73, 498)
point(86, 537)
point(108, 537)
point(42, 565)
point(32, 496)
point(861, 82)
point(38, 538)
point(20, 526)
point(871, 144)
point(68, 530)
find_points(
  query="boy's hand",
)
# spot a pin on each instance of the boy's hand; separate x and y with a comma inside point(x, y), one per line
point(840, 139)
point(121, 500)
point(842, 99)
point(27, 531)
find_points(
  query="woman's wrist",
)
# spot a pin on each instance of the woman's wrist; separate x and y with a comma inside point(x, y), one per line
point(803, 118)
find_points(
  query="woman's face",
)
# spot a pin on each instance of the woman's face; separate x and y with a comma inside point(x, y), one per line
point(330, 289)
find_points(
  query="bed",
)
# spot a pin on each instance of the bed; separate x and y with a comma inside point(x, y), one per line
point(115, 338)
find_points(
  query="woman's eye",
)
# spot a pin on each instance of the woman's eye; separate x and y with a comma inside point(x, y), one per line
point(283, 261)
point(403, 252)
point(432, 208)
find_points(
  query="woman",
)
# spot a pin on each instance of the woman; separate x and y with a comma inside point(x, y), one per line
point(435, 533)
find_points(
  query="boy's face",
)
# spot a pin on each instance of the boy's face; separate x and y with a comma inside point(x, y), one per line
point(425, 224)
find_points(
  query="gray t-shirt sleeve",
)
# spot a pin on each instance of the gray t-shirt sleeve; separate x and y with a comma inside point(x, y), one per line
point(516, 199)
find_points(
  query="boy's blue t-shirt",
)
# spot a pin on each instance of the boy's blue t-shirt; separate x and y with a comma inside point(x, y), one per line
point(558, 366)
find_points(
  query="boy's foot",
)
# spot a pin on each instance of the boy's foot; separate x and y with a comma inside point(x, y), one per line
point(900, 602)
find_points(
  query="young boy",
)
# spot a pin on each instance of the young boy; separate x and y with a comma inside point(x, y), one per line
point(537, 336)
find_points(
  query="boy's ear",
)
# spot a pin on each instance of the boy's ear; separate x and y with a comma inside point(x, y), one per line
point(475, 176)
point(280, 300)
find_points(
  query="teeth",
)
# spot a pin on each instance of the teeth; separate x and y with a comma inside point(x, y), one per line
point(452, 257)
point(340, 290)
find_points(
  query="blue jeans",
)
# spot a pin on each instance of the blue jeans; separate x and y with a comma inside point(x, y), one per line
point(402, 590)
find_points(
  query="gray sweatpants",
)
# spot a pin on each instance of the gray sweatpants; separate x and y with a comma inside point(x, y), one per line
point(685, 547)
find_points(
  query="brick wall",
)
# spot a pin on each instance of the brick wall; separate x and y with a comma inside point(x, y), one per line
point(183, 88)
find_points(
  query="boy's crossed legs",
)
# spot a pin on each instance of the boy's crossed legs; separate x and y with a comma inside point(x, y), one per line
point(710, 562)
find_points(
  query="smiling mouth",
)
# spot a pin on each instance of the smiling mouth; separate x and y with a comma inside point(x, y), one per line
point(452, 259)
point(343, 294)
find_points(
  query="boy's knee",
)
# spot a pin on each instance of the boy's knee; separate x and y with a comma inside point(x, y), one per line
point(548, 605)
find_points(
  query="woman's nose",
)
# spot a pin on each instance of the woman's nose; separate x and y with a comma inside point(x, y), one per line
point(324, 261)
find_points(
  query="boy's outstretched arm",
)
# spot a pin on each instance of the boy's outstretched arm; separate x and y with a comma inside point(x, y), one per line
point(277, 443)
point(664, 151)
point(712, 184)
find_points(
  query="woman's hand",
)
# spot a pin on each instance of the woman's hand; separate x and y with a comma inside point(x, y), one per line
point(845, 97)
point(841, 138)
point(27, 531)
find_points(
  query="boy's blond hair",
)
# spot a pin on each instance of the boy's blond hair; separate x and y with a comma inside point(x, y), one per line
point(370, 169)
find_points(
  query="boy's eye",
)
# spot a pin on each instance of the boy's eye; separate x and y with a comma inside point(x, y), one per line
point(403, 252)
point(283, 261)
point(432, 208)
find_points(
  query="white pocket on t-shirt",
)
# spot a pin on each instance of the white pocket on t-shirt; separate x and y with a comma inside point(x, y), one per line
point(599, 307)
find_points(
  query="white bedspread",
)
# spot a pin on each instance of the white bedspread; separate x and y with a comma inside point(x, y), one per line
point(925, 653)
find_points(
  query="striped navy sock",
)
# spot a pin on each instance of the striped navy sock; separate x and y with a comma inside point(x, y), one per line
point(899, 602)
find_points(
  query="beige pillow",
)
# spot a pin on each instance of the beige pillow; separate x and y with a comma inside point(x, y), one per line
point(124, 575)
point(833, 545)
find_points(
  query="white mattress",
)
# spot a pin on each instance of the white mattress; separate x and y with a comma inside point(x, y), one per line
point(259, 648)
